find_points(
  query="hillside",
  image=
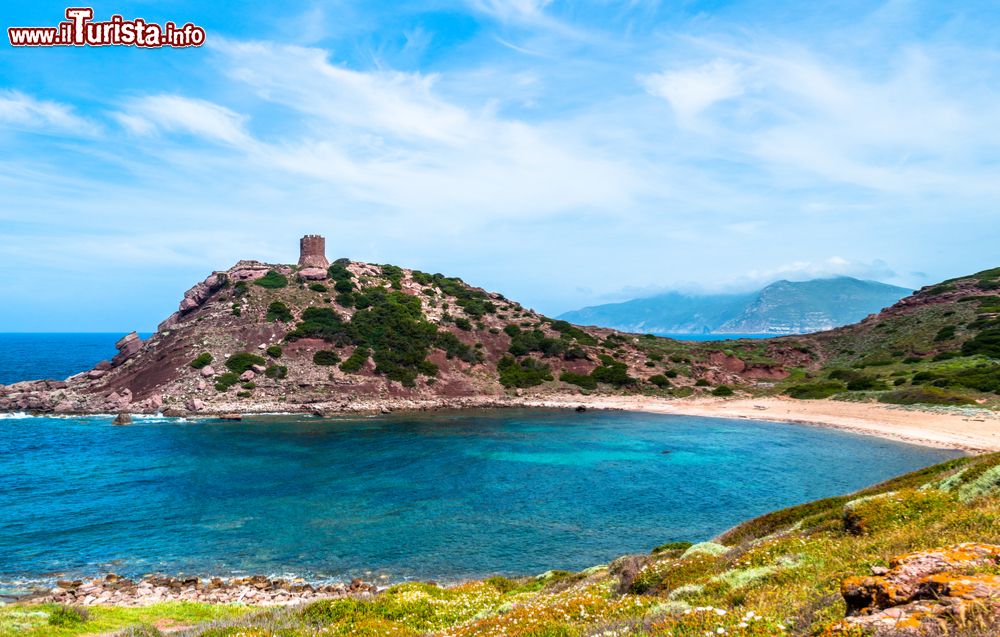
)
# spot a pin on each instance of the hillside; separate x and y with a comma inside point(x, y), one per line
point(783, 307)
point(908, 557)
point(363, 337)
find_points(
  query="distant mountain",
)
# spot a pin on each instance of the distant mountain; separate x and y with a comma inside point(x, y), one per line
point(783, 307)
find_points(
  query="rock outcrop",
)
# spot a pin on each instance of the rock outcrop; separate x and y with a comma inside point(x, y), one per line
point(127, 347)
point(925, 593)
point(257, 590)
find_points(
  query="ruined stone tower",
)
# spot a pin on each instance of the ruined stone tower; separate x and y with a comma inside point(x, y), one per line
point(312, 252)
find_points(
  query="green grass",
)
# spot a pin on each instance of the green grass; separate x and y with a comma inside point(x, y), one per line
point(34, 620)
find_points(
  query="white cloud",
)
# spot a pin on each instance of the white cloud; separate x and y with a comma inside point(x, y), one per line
point(692, 90)
point(23, 111)
point(174, 113)
point(876, 269)
point(390, 138)
point(513, 10)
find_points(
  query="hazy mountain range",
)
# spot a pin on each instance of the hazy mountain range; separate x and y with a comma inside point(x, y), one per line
point(783, 307)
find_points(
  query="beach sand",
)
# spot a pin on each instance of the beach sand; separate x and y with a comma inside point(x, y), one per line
point(971, 430)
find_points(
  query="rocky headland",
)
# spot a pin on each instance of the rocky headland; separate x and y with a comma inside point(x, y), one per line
point(360, 337)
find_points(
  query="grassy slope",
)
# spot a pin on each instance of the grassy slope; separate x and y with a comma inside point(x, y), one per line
point(777, 573)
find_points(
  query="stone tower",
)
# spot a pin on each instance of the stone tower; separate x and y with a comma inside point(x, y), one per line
point(312, 252)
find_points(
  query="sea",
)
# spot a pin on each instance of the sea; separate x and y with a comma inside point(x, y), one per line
point(444, 496)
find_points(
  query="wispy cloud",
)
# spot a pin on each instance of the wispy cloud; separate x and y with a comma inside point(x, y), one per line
point(18, 110)
point(174, 113)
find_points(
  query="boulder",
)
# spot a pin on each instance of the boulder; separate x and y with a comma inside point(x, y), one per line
point(207, 371)
point(194, 404)
point(923, 591)
point(248, 271)
point(248, 375)
point(123, 418)
point(128, 347)
point(312, 274)
point(258, 369)
point(94, 374)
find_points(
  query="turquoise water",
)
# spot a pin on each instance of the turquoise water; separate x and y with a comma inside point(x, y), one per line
point(442, 496)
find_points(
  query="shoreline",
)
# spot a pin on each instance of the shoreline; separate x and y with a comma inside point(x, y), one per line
point(255, 590)
point(976, 431)
point(969, 429)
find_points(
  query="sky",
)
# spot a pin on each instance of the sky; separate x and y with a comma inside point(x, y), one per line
point(562, 153)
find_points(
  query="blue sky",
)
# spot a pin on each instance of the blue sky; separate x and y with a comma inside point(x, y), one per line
point(563, 153)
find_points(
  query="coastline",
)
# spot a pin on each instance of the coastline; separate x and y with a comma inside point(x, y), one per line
point(976, 431)
point(968, 429)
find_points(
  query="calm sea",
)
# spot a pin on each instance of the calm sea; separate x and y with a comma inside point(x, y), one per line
point(444, 496)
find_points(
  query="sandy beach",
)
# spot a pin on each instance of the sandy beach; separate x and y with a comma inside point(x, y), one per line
point(971, 430)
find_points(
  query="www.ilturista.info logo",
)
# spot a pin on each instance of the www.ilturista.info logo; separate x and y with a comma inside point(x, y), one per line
point(80, 30)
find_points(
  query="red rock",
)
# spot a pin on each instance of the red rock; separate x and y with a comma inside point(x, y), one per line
point(312, 274)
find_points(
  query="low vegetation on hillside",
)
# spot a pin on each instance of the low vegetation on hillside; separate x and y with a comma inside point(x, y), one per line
point(784, 573)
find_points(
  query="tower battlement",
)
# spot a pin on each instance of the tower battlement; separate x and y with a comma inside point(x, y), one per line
point(312, 252)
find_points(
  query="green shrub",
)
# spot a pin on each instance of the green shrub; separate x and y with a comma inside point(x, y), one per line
point(422, 277)
point(815, 391)
point(395, 275)
point(321, 322)
point(454, 348)
point(985, 343)
point(660, 380)
point(580, 380)
point(701, 382)
point(924, 395)
point(235, 310)
point(274, 351)
point(345, 299)
point(678, 547)
point(343, 286)
point(526, 373)
point(326, 357)
point(276, 372)
point(278, 311)
point(463, 323)
point(272, 280)
point(571, 331)
point(242, 361)
point(722, 390)
point(946, 333)
point(243, 394)
point(318, 287)
point(355, 361)
point(202, 360)
point(613, 373)
point(68, 616)
point(224, 381)
point(522, 342)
